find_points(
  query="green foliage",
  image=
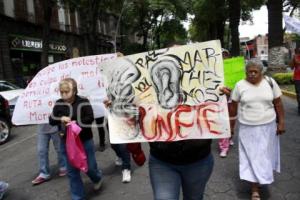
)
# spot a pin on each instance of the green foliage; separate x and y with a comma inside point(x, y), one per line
point(172, 31)
point(148, 18)
point(132, 48)
point(209, 20)
point(283, 78)
point(247, 6)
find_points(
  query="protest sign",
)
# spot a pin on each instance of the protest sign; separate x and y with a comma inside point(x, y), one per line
point(234, 70)
point(167, 95)
point(36, 102)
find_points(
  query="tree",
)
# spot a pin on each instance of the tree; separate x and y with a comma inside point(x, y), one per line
point(234, 21)
point(171, 31)
point(89, 11)
point(146, 18)
point(47, 8)
point(275, 30)
point(205, 25)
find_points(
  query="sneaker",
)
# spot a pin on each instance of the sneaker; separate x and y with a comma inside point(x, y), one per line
point(118, 161)
point(62, 172)
point(223, 154)
point(3, 189)
point(126, 176)
point(231, 142)
point(39, 180)
point(98, 185)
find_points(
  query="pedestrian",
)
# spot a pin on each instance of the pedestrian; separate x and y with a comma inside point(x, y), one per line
point(225, 143)
point(46, 132)
point(185, 164)
point(259, 103)
point(123, 159)
point(121, 151)
point(100, 120)
point(3, 188)
point(295, 64)
point(72, 107)
point(100, 124)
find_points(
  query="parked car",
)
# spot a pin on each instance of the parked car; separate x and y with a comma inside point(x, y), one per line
point(5, 120)
point(11, 93)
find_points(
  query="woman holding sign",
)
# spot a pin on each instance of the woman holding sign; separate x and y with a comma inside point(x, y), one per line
point(258, 100)
point(72, 107)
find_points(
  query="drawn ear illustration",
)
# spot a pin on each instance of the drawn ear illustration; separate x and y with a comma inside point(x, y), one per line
point(120, 89)
point(165, 75)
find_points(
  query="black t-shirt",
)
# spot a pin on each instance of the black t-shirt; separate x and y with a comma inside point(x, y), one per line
point(181, 152)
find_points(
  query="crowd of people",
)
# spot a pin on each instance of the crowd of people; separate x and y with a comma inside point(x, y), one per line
point(187, 165)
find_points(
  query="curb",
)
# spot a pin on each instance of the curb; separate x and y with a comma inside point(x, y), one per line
point(289, 94)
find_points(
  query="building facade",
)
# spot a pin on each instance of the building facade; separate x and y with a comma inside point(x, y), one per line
point(21, 30)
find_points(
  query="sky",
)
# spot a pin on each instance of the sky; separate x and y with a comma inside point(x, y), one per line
point(260, 24)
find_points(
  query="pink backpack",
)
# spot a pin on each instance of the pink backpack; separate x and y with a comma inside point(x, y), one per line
point(74, 147)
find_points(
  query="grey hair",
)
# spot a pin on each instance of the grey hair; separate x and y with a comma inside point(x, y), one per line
point(255, 62)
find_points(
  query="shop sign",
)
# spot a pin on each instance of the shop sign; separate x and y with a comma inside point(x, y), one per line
point(34, 44)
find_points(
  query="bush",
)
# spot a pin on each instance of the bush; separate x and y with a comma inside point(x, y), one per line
point(283, 78)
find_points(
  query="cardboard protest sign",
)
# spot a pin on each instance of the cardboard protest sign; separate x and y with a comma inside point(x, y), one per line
point(167, 95)
point(234, 70)
point(36, 102)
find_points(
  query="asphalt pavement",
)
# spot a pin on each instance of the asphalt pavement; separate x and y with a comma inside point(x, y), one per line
point(18, 166)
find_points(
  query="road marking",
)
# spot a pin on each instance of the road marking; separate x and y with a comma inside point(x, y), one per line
point(13, 144)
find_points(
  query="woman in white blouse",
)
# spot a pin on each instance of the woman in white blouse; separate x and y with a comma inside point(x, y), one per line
point(256, 103)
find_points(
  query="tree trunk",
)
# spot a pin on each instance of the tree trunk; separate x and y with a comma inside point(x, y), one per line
point(276, 49)
point(93, 11)
point(145, 40)
point(234, 21)
point(220, 31)
point(47, 7)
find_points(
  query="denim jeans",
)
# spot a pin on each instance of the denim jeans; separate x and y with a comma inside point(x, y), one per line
point(167, 179)
point(43, 153)
point(75, 181)
point(102, 128)
point(123, 153)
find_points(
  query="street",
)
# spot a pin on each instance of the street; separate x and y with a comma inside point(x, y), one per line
point(19, 167)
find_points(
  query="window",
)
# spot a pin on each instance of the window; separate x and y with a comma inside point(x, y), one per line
point(76, 19)
point(30, 10)
point(9, 8)
point(61, 17)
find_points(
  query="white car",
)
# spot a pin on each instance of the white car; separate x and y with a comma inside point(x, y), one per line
point(11, 93)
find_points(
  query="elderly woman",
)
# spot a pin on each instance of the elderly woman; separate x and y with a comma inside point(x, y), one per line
point(72, 107)
point(257, 100)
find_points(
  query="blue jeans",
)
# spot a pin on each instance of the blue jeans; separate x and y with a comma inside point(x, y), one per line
point(75, 181)
point(123, 153)
point(43, 153)
point(167, 179)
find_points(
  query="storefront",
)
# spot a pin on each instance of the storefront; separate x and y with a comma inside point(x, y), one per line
point(25, 54)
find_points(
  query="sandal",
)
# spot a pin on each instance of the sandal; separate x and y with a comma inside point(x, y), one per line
point(255, 196)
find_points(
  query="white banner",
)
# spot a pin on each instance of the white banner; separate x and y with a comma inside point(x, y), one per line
point(167, 95)
point(292, 24)
point(36, 102)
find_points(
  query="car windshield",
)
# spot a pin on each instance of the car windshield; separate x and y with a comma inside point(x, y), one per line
point(5, 86)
